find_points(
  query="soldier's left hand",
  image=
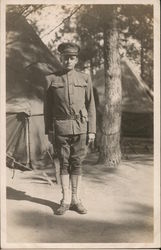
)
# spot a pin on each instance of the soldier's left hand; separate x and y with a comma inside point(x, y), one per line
point(91, 138)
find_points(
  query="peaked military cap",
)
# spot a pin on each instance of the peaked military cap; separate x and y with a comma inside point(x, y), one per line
point(69, 49)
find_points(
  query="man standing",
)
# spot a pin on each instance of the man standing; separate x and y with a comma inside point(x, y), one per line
point(70, 122)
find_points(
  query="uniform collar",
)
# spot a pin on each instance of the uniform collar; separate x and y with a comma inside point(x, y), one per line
point(71, 72)
point(64, 72)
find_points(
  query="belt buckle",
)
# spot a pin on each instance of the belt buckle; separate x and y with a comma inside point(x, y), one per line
point(74, 117)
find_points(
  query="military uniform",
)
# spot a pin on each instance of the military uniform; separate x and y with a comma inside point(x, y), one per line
point(70, 110)
point(70, 115)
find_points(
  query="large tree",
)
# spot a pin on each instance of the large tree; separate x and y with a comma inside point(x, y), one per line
point(110, 152)
point(98, 32)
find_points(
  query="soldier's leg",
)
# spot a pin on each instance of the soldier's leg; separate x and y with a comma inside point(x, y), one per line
point(78, 152)
point(63, 150)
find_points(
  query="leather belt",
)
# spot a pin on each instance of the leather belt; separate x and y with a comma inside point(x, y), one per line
point(67, 117)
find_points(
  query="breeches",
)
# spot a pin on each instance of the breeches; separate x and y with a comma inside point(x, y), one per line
point(71, 151)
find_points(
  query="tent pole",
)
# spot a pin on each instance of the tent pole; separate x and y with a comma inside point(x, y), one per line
point(29, 162)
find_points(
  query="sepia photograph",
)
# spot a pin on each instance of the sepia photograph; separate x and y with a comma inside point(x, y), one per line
point(80, 137)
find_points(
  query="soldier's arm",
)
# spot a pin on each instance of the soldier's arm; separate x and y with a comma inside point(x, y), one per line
point(90, 106)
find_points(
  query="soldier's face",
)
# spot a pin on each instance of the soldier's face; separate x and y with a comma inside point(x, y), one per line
point(69, 61)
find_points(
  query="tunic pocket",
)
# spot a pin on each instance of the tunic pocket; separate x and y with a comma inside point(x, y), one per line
point(57, 84)
point(80, 83)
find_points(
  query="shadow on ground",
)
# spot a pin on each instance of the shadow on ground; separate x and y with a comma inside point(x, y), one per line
point(66, 230)
point(14, 194)
point(121, 208)
point(81, 228)
point(100, 173)
point(138, 209)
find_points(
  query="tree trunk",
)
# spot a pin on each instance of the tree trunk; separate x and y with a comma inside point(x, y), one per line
point(110, 153)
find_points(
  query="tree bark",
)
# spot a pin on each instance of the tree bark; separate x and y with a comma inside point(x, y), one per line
point(110, 152)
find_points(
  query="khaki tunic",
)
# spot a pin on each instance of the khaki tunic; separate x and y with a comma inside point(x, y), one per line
point(69, 95)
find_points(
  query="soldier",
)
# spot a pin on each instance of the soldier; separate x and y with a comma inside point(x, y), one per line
point(70, 122)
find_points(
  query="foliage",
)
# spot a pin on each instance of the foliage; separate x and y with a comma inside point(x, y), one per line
point(25, 9)
point(84, 24)
point(138, 24)
point(135, 25)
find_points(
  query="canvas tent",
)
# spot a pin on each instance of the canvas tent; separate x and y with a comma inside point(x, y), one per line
point(137, 105)
point(137, 102)
point(28, 61)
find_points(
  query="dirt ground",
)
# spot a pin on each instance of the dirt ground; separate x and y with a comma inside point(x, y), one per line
point(119, 203)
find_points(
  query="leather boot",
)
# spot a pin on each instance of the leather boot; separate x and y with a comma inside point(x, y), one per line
point(64, 204)
point(76, 204)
